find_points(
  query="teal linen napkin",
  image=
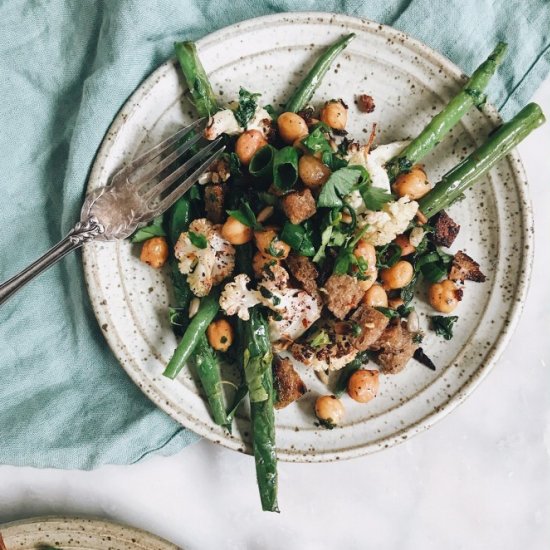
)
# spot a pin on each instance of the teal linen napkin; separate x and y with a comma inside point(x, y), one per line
point(65, 70)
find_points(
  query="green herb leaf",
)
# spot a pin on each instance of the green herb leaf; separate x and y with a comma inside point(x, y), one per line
point(234, 163)
point(194, 193)
point(320, 338)
point(433, 264)
point(271, 110)
point(154, 229)
point(268, 198)
point(317, 140)
point(388, 312)
point(375, 198)
point(339, 184)
point(273, 250)
point(407, 292)
point(247, 106)
point(299, 237)
point(388, 255)
point(361, 359)
point(178, 316)
point(443, 326)
point(197, 239)
point(245, 215)
point(325, 238)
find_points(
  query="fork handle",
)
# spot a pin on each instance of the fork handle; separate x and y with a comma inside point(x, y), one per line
point(82, 232)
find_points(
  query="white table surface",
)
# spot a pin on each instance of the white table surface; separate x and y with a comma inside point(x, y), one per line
point(479, 479)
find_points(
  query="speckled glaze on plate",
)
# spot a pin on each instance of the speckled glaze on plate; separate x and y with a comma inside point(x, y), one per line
point(409, 82)
point(88, 534)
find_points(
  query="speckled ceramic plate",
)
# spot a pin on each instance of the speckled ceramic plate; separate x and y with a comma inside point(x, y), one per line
point(409, 82)
point(87, 534)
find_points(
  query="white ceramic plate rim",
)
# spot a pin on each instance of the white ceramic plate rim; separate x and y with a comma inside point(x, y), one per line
point(345, 22)
point(52, 525)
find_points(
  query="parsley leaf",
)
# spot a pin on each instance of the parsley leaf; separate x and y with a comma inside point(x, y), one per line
point(375, 197)
point(317, 140)
point(389, 313)
point(247, 106)
point(339, 184)
point(245, 215)
point(154, 229)
point(321, 338)
point(388, 255)
point(443, 326)
point(434, 264)
point(197, 240)
point(299, 238)
point(234, 163)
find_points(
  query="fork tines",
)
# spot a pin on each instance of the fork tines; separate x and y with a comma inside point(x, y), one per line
point(157, 174)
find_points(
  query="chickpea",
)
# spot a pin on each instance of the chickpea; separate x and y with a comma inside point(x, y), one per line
point(329, 409)
point(248, 144)
point(235, 231)
point(261, 263)
point(363, 385)
point(154, 252)
point(394, 303)
point(312, 171)
point(376, 297)
point(291, 127)
point(444, 296)
point(413, 184)
point(397, 276)
point(335, 114)
point(220, 334)
point(366, 251)
point(406, 246)
point(269, 243)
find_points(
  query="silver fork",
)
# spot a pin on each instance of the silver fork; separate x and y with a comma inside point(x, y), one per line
point(131, 199)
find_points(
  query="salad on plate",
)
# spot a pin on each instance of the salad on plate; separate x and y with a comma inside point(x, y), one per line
point(303, 247)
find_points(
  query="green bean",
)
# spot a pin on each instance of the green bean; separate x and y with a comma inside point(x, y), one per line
point(285, 168)
point(238, 398)
point(200, 89)
point(179, 217)
point(197, 327)
point(472, 94)
point(257, 361)
point(462, 176)
point(261, 164)
point(301, 97)
point(208, 369)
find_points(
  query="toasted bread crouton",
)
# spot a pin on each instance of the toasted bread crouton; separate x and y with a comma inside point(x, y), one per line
point(298, 206)
point(445, 230)
point(214, 195)
point(465, 268)
point(287, 383)
point(304, 271)
point(342, 293)
point(372, 324)
point(396, 347)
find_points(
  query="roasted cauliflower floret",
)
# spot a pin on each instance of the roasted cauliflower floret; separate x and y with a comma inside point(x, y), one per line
point(294, 310)
point(208, 265)
point(392, 220)
point(236, 298)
